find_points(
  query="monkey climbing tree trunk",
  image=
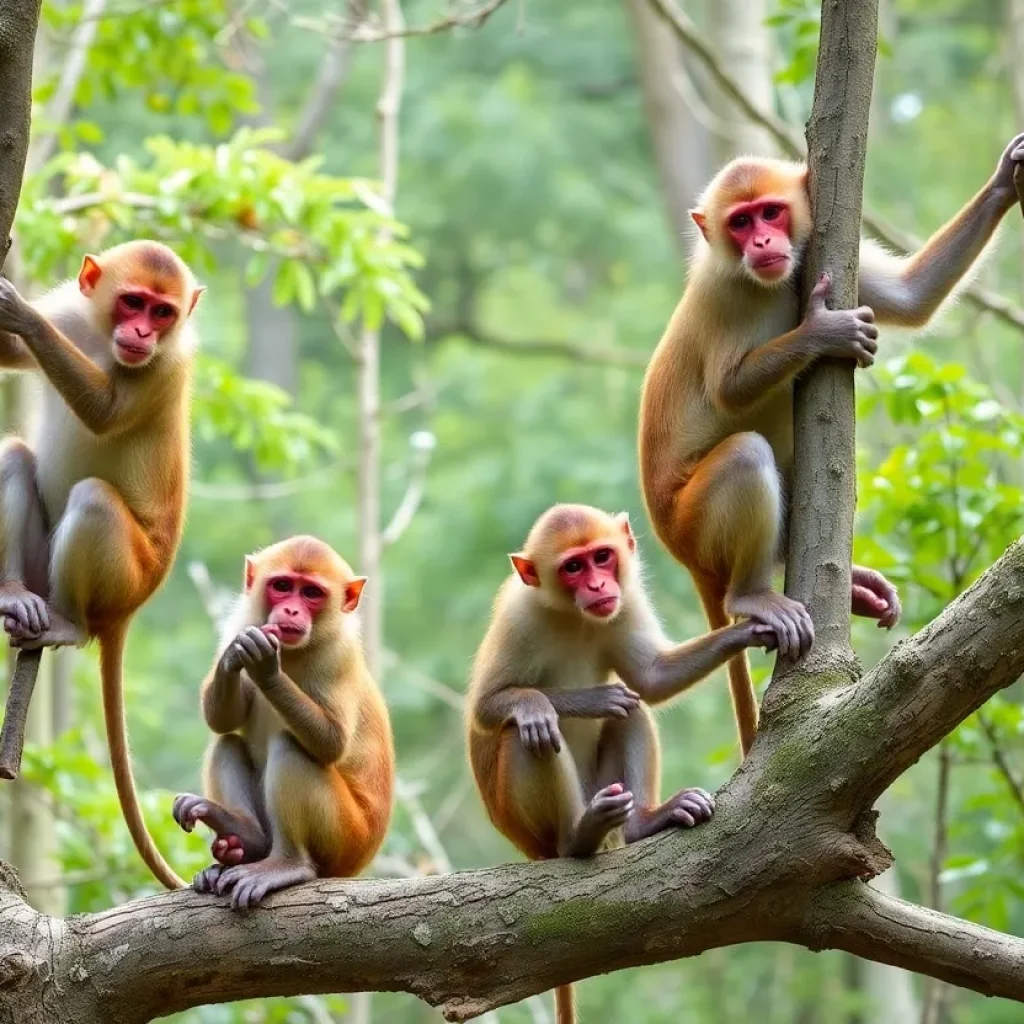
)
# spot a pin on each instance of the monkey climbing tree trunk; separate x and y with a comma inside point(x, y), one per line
point(824, 485)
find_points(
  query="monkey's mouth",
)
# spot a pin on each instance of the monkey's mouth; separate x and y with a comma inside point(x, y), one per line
point(603, 607)
point(291, 635)
point(133, 354)
point(771, 262)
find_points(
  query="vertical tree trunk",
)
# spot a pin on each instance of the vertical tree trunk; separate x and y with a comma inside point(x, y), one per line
point(744, 45)
point(682, 148)
point(824, 482)
point(389, 105)
point(1015, 71)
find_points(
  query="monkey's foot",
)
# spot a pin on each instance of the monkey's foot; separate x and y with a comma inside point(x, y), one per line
point(608, 809)
point(687, 808)
point(25, 614)
point(239, 838)
point(206, 880)
point(61, 633)
point(874, 597)
point(250, 884)
point(789, 619)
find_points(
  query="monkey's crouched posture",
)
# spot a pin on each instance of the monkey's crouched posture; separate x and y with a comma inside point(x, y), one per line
point(91, 510)
point(564, 752)
point(299, 782)
point(716, 418)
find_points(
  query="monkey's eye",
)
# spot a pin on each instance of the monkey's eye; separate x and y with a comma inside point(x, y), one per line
point(771, 211)
point(573, 566)
point(135, 302)
point(602, 556)
point(313, 593)
point(282, 585)
point(163, 312)
point(740, 221)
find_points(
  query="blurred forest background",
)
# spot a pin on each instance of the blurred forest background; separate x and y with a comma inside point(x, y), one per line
point(416, 388)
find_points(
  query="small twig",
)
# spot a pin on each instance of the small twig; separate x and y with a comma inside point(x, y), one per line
point(366, 32)
point(12, 736)
point(423, 443)
point(999, 758)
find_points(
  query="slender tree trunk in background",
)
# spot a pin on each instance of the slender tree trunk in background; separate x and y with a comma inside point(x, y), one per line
point(889, 991)
point(933, 996)
point(389, 105)
point(63, 671)
point(681, 145)
point(744, 46)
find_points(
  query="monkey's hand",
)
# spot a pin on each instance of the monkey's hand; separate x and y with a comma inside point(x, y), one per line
point(756, 634)
point(874, 597)
point(256, 652)
point(615, 700)
point(16, 315)
point(840, 333)
point(537, 723)
point(1002, 181)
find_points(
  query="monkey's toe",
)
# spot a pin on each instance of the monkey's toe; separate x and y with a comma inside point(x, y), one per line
point(206, 880)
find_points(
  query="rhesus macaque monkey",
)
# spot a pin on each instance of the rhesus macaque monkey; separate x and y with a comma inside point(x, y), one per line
point(91, 508)
point(564, 753)
point(716, 420)
point(299, 782)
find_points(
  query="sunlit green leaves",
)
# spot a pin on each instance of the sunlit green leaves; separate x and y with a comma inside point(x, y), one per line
point(181, 55)
point(333, 238)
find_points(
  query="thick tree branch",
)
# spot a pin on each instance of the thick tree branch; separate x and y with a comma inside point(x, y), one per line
point(19, 20)
point(791, 144)
point(859, 919)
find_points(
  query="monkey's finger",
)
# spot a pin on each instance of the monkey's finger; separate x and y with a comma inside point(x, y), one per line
point(683, 816)
point(248, 649)
point(555, 738)
point(869, 330)
point(261, 641)
point(820, 291)
point(865, 313)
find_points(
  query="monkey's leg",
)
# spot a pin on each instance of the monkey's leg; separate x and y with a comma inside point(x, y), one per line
point(317, 827)
point(233, 809)
point(629, 753)
point(102, 565)
point(728, 524)
point(23, 543)
point(542, 806)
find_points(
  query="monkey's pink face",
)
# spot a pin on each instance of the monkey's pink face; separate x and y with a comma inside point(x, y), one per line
point(140, 318)
point(760, 230)
point(591, 575)
point(294, 600)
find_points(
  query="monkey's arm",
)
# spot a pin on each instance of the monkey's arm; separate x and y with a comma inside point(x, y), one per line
point(502, 706)
point(842, 333)
point(227, 698)
point(907, 292)
point(90, 393)
point(605, 701)
point(322, 733)
point(658, 672)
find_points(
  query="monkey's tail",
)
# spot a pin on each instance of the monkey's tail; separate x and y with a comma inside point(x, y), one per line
point(111, 662)
point(565, 1005)
point(741, 686)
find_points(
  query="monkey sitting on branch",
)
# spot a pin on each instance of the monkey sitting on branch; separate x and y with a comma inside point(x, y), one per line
point(564, 751)
point(92, 507)
point(716, 417)
point(299, 782)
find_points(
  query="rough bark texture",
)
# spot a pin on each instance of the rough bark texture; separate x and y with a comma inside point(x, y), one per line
point(18, 22)
point(824, 482)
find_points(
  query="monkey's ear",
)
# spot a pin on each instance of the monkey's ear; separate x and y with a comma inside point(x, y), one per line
point(90, 274)
point(526, 569)
point(700, 218)
point(250, 573)
point(623, 521)
point(195, 297)
point(353, 591)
